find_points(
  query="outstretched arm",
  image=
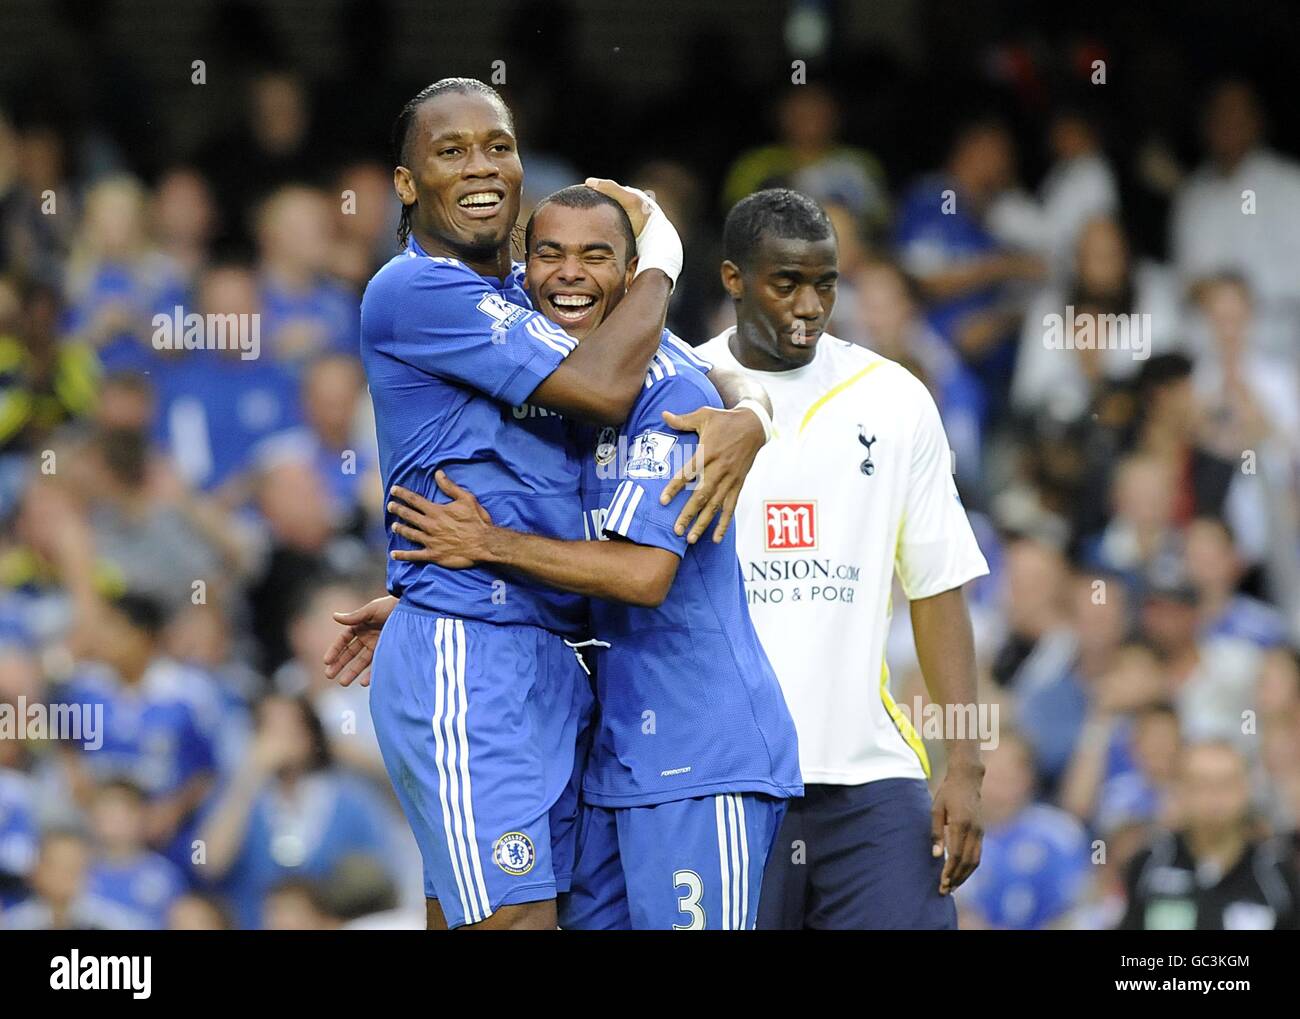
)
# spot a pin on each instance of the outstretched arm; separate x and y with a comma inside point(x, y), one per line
point(460, 534)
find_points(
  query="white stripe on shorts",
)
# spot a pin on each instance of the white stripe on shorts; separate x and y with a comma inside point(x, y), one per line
point(744, 862)
point(470, 833)
point(720, 811)
point(452, 748)
point(734, 845)
point(733, 860)
point(439, 760)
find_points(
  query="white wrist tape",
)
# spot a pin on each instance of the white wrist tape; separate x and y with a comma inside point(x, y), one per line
point(763, 416)
point(658, 246)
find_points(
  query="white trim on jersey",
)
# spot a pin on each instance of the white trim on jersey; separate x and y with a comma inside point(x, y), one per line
point(661, 366)
point(627, 497)
point(562, 343)
point(733, 860)
point(556, 331)
point(450, 739)
point(688, 352)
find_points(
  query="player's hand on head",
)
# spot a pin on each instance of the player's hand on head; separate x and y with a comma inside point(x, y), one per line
point(349, 657)
point(449, 534)
point(658, 245)
point(729, 442)
point(636, 203)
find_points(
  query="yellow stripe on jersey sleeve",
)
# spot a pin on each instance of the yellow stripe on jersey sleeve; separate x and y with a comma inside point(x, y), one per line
point(835, 391)
point(905, 728)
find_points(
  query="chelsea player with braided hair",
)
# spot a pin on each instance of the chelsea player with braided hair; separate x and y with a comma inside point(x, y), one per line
point(478, 703)
point(695, 753)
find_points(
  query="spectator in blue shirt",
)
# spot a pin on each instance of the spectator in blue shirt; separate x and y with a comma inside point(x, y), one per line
point(1036, 858)
point(117, 279)
point(156, 719)
point(304, 313)
point(333, 447)
point(126, 871)
point(60, 899)
point(216, 408)
point(1215, 568)
point(19, 835)
point(288, 812)
point(1116, 773)
point(967, 275)
point(1141, 791)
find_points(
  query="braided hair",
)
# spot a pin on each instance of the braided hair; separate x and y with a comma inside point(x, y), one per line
point(405, 120)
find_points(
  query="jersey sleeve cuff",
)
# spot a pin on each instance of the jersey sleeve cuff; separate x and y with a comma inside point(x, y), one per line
point(652, 533)
point(928, 587)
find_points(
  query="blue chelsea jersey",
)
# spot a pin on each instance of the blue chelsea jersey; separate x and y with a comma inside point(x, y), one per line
point(689, 704)
point(451, 357)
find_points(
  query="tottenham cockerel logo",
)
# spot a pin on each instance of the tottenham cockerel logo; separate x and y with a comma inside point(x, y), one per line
point(867, 467)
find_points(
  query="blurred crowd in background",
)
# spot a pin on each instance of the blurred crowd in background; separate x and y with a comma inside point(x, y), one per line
point(179, 524)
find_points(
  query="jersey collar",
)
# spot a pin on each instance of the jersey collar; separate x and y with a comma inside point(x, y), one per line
point(513, 278)
point(789, 374)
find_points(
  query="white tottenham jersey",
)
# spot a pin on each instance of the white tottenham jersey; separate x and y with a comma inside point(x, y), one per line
point(856, 482)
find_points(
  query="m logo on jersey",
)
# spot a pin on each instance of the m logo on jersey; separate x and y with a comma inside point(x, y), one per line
point(790, 526)
point(501, 311)
point(648, 457)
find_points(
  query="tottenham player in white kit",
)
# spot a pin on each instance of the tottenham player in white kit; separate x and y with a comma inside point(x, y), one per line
point(855, 485)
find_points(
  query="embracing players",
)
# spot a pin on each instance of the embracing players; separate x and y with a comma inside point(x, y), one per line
point(695, 752)
point(477, 701)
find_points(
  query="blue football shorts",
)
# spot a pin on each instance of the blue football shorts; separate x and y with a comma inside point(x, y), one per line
point(694, 864)
point(482, 729)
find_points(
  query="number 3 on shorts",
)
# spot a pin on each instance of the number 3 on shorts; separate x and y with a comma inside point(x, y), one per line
point(690, 902)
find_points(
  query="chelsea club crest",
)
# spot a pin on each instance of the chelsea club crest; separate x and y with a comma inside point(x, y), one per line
point(606, 446)
point(514, 853)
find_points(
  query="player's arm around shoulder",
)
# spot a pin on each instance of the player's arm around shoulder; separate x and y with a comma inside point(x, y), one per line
point(658, 458)
point(733, 420)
